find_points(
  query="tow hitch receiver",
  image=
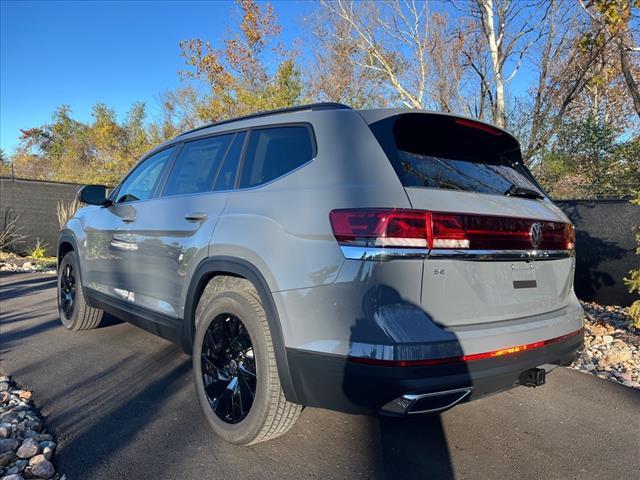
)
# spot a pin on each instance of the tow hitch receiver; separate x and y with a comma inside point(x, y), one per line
point(533, 377)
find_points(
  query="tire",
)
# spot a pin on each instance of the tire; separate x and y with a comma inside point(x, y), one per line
point(224, 302)
point(80, 316)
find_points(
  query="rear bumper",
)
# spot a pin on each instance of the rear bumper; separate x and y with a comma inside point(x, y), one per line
point(338, 383)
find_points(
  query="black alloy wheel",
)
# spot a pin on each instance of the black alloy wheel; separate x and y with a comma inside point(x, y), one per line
point(67, 291)
point(228, 368)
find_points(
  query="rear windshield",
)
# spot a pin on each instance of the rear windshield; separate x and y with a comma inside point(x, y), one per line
point(438, 151)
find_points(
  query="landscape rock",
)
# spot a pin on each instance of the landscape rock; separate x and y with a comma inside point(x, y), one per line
point(41, 467)
point(7, 458)
point(26, 452)
point(28, 449)
point(611, 345)
point(25, 394)
point(48, 453)
point(8, 445)
point(13, 476)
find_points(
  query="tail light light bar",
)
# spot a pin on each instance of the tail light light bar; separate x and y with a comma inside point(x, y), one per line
point(419, 231)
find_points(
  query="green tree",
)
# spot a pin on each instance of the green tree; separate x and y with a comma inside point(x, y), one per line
point(5, 164)
point(238, 78)
point(589, 159)
point(100, 151)
point(633, 282)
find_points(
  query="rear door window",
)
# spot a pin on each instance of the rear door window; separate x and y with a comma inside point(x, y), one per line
point(196, 166)
point(438, 151)
point(226, 178)
point(274, 152)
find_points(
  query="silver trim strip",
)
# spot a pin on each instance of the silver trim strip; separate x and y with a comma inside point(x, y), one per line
point(389, 253)
point(502, 255)
point(382, 253)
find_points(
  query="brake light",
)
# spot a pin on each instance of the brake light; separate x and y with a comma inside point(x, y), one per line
point(478, 126)
point(401, 228)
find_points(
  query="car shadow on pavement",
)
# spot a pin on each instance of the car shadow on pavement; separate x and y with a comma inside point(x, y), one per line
point(25, 287)
point(415, 447)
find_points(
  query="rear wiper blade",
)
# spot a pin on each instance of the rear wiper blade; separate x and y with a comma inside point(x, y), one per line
point(517, 191)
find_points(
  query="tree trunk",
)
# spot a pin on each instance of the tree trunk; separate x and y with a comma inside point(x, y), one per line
point(628, 75)
point(494, 49)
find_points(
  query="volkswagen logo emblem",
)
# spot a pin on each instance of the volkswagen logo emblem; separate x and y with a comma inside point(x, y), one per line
point(535, 233)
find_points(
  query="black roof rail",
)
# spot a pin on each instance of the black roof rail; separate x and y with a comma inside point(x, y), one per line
point(298, 108)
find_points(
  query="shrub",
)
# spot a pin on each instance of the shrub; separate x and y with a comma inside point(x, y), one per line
point(633, 282)
point(39, 250)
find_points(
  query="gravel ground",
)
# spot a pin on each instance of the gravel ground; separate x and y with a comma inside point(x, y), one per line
point(26, 449)
point(612, 345)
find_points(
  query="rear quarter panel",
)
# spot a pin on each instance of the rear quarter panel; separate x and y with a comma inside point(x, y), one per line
point(283, 227)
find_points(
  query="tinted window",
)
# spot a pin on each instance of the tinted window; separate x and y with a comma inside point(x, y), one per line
point(437, 151)
point(272, 152)
point(227, 175)
point(141, 183)
point(197, 165)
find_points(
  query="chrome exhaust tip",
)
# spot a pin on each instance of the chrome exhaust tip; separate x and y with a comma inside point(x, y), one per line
point(409, 404)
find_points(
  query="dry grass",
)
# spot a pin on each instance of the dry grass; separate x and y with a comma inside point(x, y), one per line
point(65, 211)
point(11, 233)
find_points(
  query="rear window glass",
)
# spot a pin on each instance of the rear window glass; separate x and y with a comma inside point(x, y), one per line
point(437, 151)
point(273, 152)
point(226, 178)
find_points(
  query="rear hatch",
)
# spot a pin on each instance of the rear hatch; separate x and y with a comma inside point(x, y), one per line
point(499, 248)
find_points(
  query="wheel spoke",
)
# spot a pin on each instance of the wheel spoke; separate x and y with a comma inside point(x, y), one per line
point(225, 404)
point(216, 387)
point(247, 391)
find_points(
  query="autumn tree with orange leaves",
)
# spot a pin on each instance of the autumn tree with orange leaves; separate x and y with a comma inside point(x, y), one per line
point(239, 79)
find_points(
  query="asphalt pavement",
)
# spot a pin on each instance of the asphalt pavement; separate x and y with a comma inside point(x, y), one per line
point(122, 405)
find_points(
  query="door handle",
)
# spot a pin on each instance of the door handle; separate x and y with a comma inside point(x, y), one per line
point(195, 217)
point(128, 219)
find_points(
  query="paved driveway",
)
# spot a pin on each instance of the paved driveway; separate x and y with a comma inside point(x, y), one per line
point(122, 405)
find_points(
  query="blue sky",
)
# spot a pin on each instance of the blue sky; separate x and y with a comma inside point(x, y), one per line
point(80, 53)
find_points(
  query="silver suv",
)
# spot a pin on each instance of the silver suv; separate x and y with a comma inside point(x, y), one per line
point(385, 261)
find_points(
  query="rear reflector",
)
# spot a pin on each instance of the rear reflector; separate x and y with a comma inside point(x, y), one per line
point(402, 228)
point(463, 358)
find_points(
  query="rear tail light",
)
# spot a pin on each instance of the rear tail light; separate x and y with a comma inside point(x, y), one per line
point(381, 228)
point(409, 229)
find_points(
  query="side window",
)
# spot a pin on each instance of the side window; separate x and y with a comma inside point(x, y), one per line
point(273, 152)
point(196, 165)
point(227, 176)
point(140, 184)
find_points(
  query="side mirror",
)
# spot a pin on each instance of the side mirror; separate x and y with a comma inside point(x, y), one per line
point(93, 195)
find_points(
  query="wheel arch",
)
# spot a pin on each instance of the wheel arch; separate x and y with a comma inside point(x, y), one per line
point(66, 243)
point(215, 266)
